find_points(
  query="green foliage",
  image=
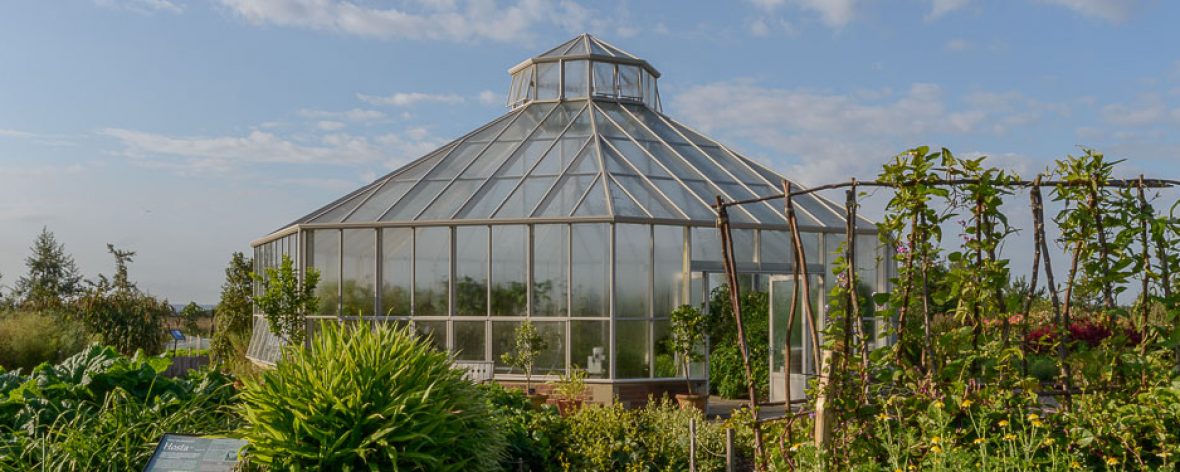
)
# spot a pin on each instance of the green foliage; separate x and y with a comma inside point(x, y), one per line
point(52, 277)
point(687, 336)
point(535, 436)
point(191, 316)
point(29, 338)
point(361, 398)
point(727, 375)
point(232, 322)
point(527, 345)
point(286, 300)
point(99, 410)
point(654, 437)
point(126, 320)
point(572, 385)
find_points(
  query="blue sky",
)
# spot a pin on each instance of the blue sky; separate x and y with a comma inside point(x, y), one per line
point(184, 129)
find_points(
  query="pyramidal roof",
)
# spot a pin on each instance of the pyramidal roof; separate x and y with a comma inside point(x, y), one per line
point(567, 159)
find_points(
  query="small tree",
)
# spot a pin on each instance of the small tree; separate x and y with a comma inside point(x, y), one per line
point(688, 332)
point(231, 318)
point(286, 300)
point(191, 316)
point(528, 346)
point(52, 278)
point(120, 315)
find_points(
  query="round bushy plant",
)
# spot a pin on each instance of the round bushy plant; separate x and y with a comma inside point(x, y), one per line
point(374, 399)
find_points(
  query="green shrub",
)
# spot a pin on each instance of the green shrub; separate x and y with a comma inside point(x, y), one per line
point(534, 435)
point(101, 411)
point(654, 437)
point(28, 338)
point(727, 374)
point(360, 398)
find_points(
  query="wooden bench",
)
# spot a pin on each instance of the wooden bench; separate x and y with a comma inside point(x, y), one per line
point(477, 371)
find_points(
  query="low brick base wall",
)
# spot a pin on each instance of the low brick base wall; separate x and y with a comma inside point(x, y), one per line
point(631, 394)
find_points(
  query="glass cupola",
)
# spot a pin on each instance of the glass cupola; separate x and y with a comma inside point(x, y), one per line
point(580, 68)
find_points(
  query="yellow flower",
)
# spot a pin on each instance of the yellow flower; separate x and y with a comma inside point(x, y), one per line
point(1003, 423)
point(1033, 417)
point(936, 450)
point(1112, 461)
point(1037, 423)
point(1075, 465)
point(1009, 437)
point(883, 417)
point(979, 441)
point(965, 404)
point(935, 440)
point(1049, 441)
point(938, 404)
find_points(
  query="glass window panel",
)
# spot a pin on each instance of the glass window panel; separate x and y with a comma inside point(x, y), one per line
point(811, 247)
point(457, 161)
point(640, 190)
point(604, 79)
point(434, 331)
point(576, 77)
point(470, 340)
point(743, 245)
point(487, 163)
point(325, 257)
point(471, 270)
point(628, 81)
point(776, 247)
point(548, 75)
point(706, 244)
point(514, 89)
point(623, 204)
point(666, 365)
point(581, 125)
point(432, 271)
point(669, 270)
point(632, 270)
point(632, 344)
point(524, 158)
point(684, 199)
point(590, 347)
point(596, 49)
point(559, 157)
point(337, 214)
point(590, 243)
point(525, 122)
point(360, 272)
point(509, 263)
point(483, 204)
point(867, 250)
point(643, 162)
point(550, 269)
point(551, 361)
point(396, 270)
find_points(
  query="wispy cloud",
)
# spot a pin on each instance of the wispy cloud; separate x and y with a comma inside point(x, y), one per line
point(1114, 11)
point(355, 114)
point(12, 133)
point(938, 8)
point(833, 13)
point(146, 7)
point(454, 20)
point(402, 99)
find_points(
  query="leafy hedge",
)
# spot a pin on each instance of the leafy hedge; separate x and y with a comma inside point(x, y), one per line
point(99, 410)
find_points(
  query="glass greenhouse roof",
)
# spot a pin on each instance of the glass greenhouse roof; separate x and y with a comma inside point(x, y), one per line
point(572, 157)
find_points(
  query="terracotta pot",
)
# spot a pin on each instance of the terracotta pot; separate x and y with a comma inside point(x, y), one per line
point(567, 406)
point(538, 399)
point(686, 401)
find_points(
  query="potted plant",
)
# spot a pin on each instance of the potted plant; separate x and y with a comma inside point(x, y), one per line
point(527, 347)
point(688, 332)
point(569, 390)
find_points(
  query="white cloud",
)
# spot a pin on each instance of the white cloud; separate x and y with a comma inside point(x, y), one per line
point(1148, 110)
point(1114, 11)
point(401, 99)
point(355, 114)
point(145, 7)
point(12, 133)
point(327, 125)
point(938, 8)
point(957, 44)
point(455, 20)
point(488, 97)
point(834, 13)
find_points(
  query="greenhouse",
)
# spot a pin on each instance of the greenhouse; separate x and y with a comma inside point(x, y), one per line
point(585, 209)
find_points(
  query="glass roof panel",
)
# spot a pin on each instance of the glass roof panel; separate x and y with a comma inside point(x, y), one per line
point(415, 200)
point(587, 162)
point(445, 205)
point(562, 48)
point(684, 199)
point(580, 127)
point(419, 168)
point(381, 201)
point(342, 209)
point(560, 156)
point(524, 158)
point(647, 197)
point(612, 49)
point(565, 195)
point(490, 131)
point(526, 197)
point(709, 192)
point(623, 204)
point(595, 48)
point(485, 202)
point(738, 169)
point(528, 119)
point(594, 204)
point(457, 161)
point(703, 164)
point(654, 123)
point(490, 160)
point(636, 160)
point(557, 121)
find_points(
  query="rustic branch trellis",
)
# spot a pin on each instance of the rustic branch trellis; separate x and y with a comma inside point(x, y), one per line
point(854, 331)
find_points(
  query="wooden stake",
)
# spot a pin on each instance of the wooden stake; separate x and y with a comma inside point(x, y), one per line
point(1145, 213)
point(1061, 316)
point(789, 210)
point(1032, 287)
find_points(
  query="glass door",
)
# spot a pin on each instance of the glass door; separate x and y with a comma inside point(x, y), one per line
point(802, 368)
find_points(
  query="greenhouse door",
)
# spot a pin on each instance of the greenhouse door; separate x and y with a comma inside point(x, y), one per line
point(802, 366)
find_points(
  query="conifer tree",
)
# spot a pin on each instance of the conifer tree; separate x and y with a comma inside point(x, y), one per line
point(53, 277)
